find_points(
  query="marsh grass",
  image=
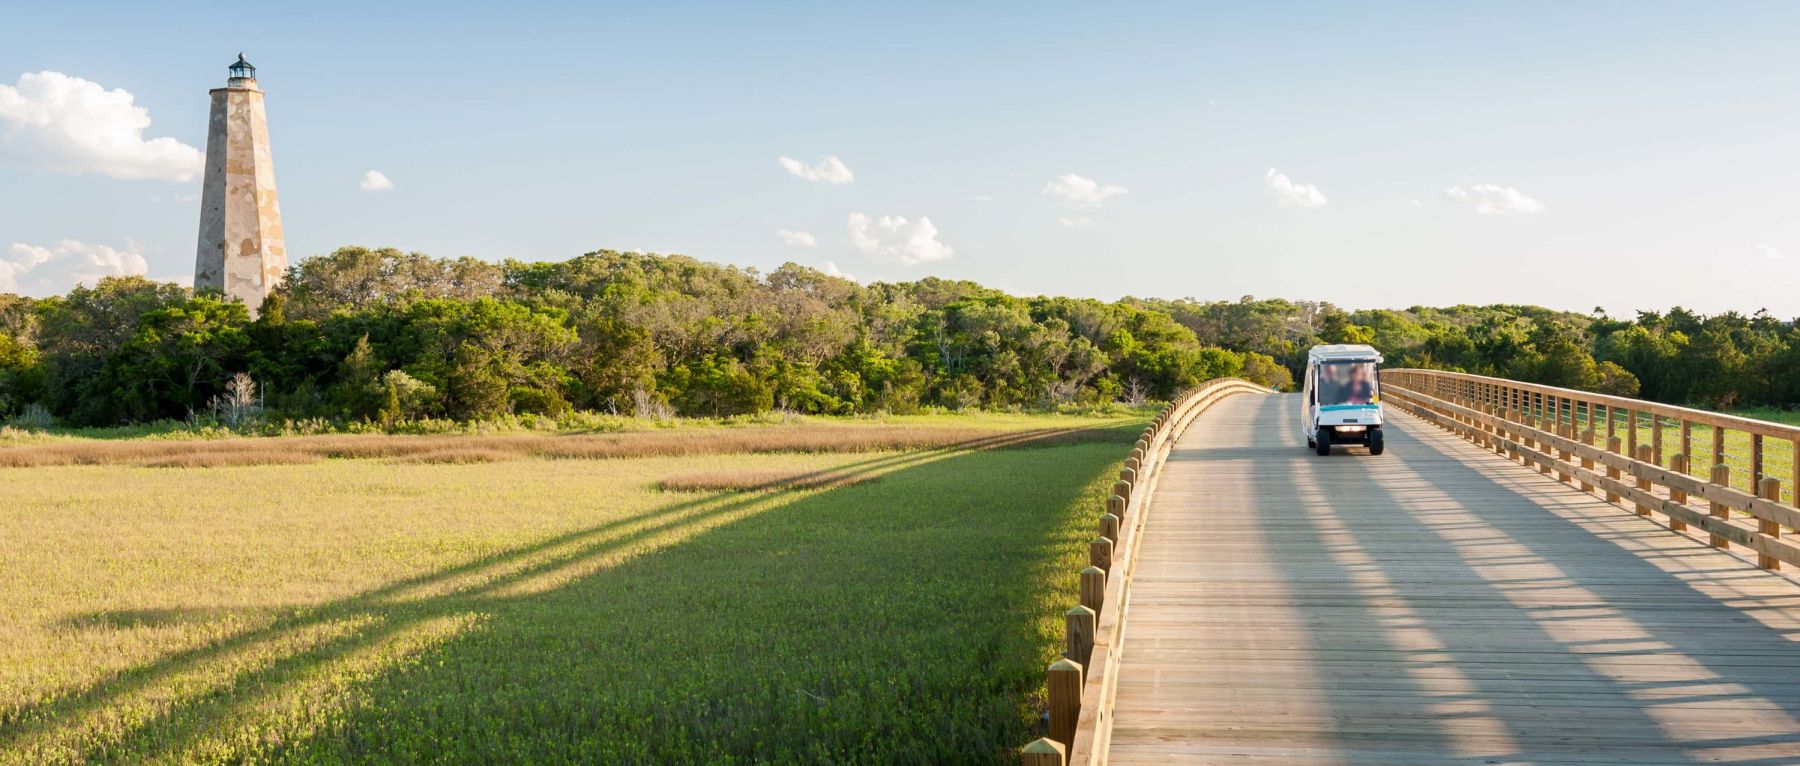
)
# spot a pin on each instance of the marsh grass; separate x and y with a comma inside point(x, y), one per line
point(537, 610)
point(221, 458)
point(760, 480)
point(460, 455)
point(835, 438)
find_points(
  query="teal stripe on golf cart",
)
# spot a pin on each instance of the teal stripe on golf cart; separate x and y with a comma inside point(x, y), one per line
point(1336, 407)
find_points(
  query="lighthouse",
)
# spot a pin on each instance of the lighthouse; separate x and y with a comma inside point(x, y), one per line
point(241, 253)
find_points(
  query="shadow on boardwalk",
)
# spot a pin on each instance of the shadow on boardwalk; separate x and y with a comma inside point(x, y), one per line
point(1435, 605)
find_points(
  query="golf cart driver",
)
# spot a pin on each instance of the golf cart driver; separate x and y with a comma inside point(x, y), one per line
point(1343, 398)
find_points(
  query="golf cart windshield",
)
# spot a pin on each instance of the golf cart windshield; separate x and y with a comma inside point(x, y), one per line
point(1349, 382)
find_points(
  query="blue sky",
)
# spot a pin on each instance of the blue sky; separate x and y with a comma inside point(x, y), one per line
point(1630, 155)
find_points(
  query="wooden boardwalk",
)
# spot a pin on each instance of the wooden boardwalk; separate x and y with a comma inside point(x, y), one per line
point(1437, 604)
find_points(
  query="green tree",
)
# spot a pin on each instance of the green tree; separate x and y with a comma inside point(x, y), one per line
point(176, 360)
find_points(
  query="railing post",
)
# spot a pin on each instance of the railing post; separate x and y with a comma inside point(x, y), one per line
point(1587, 438)
point(1612, 471)
point(1563, 454)
point(1718, 447)
point(1078, 634)
point(1115, 505)
point(1100, 553)
point(1109, 527)
point(1643, 456)
point(1093, 588)
point(1756, 461)
point(1064, 683)
point(1769, 489)
point(1656, 437)
point(1502, 431)
point(1631, 418)
point(1043, 752)
point(1687, 440)
point(1543, 448)
point(1679, 464)
point(1721, 475)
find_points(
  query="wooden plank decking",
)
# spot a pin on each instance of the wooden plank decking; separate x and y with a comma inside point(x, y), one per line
point(1437, 604)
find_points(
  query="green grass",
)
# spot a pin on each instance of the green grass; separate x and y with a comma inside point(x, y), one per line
point(542, 610)
point(1772, 414)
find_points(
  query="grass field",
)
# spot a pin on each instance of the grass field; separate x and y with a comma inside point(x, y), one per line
point(862, 603)
point(1772, 414)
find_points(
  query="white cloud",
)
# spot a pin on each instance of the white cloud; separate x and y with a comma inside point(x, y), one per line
point(64, 124)
point(36, 270)
point(832, 269)
point(1073, 191)
point(797, 238)
point(828, 170)
point(376, 180)
point(893, 238)
point(1493, 199)
point(1415, 203)
point(979, 199)
point(1768, 252)
point(1290, 193)
point(1076, 221)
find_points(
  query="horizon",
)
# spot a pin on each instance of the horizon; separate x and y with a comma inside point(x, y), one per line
point(1409, 156)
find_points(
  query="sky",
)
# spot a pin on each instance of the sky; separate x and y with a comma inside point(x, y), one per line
point(1621, 155)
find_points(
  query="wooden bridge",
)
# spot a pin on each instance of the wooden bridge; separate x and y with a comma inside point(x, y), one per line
point(1511, 583)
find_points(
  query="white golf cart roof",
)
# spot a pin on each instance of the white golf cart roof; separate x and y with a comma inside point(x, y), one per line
point(1343, 352)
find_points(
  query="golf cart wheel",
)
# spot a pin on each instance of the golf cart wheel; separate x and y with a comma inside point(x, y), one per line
point(1375, 443)
point(1322, 441)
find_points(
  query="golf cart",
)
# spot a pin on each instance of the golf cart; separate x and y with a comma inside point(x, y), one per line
point(1343, 398)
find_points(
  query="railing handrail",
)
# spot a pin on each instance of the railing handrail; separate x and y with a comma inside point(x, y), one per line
point(1704, 417)
point(1552, 402)
point(1574, 457)
point(1090, 730)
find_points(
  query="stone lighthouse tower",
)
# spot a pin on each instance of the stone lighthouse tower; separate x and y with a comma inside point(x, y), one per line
point(241, 253)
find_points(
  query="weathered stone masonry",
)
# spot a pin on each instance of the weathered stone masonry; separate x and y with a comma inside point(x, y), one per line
point(241, 252)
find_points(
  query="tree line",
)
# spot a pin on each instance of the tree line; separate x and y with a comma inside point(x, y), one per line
point(1721, 361)
point(386, 336)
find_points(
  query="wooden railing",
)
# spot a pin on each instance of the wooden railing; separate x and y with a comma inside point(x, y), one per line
point(1756, 449)
point(1082, 685)
point(1556, 429)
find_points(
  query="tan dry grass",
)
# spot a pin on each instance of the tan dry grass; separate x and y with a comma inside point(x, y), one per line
point(221, 459)
point(470, 449)
point(461, 456)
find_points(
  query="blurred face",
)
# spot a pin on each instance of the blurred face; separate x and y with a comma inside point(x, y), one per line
point(1347, 383)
